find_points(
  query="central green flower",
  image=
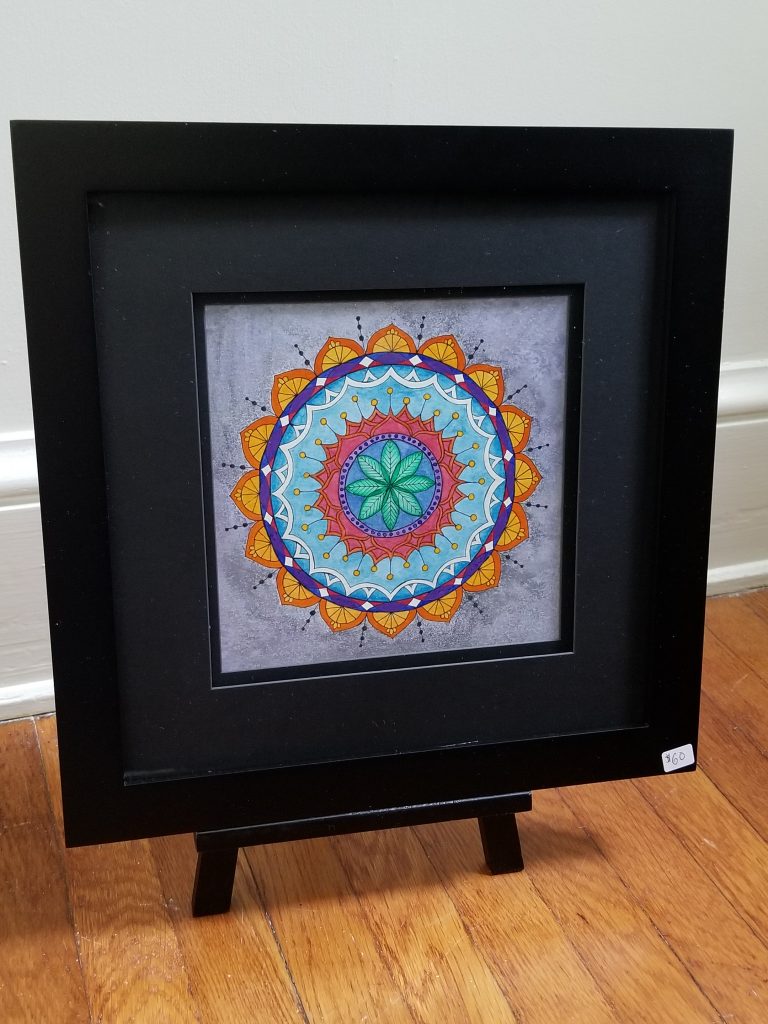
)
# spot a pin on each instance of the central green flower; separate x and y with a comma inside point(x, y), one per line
point(390, 485)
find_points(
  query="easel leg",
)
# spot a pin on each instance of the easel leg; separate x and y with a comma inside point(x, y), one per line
point(214, 878)
point(501, 843)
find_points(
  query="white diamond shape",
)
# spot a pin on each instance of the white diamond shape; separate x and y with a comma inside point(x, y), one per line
point(284, 420)
point(415, 360)
point(492, 410)
point(366, 361)
point(414, 603)
point(268, 517)
point(507, 502)
point(289, 561)
point(323, 592)
point(458, 377)
point(459, 579)
point(488, 547)
point(321, 381)
point(266, 470)
point(507, 456)
point(367, 605)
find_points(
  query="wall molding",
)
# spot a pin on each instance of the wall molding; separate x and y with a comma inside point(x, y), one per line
point(743, 390)
point(732, 579)
point(18, 469)
point(22, 700)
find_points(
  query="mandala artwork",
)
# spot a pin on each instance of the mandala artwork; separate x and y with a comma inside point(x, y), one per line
point(387, 483)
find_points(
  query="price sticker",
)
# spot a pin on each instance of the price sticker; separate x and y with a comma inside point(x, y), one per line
point(679, 757)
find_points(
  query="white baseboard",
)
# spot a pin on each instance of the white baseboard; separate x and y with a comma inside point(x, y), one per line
point(730, 579)
point(25, 699)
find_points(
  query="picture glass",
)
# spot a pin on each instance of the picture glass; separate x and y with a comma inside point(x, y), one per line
point(384, 475)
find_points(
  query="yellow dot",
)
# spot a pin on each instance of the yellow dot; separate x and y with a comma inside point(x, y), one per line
point(324, 421)
point(406, 401)
point(481, 480)
point(458, 526)
point(390, 391)
point(302, 455)
point(306, 477)
point(459, 433)
point(318, 441)
point(343, 415)
point(326, 555)
point(475, 445)
point(436, 412)
point(427, 397)
point(355, 398)
point(304, 527)
point(455, 546)
point(424, 568)
point(471, 463)
point(473, 517)
point(471, 496)
point(437, 551)
point(345, 558)
point(374, 401)
point(356, 572)
point(390, 576)
point(307, 508)
point(406, 565)
point(296, 490)
point(454, 416)
point(374, 568)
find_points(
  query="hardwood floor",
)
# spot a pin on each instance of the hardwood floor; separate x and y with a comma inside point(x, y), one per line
point(642, 901)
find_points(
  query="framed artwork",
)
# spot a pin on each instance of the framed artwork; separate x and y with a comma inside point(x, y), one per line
point(375, 462)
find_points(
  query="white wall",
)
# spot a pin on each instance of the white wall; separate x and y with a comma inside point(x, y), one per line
point(598, 62)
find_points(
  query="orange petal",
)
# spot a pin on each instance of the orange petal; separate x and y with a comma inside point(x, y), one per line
point(290, 591)
point(259, 548)
point(245, 495)
point(254, 439)
point(335, 352)
point(444, 608)
point(516, 530)
point(527, 477)
point(391, 339)
point(338, 617)
point(445, 349)
point(488, 378)
point(287, 386)
point(518, 424)
point(391, 623)
point(487, 576)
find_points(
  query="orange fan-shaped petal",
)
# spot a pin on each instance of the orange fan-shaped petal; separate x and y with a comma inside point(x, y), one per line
point(445, 349)
point(489, 378)
point(516, 530)
point(290, 591)
point(254, 439)
point(518, 423)
point(527, 477)
point(487, 576)
point(391, 339)
point(444, 608)
point(335, 352)
point(245, 495)
point(287, 386)
point(259, 548)
point(338, 617)
point(391, 623)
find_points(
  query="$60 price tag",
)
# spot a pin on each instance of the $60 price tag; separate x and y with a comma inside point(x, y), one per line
point(679, 757)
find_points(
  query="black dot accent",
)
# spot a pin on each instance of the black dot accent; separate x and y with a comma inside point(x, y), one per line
point(362, 633)
point(530, 504)
point(514, 561)
point(263, 580)
point(254, 402)
point(359, 329)
point(421, 631)
point(419, 336)
point(237, 526)
point(519, 390)
point(476, 606)
point(476, 348)
point(537, 448)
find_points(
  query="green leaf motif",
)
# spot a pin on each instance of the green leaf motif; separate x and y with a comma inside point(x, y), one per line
point(407, 502)
point(390, 459)
point(390, 510)
point(366, 487)
point(414, 484)
point(372, 505)
point(371, 468)
point(406, 468)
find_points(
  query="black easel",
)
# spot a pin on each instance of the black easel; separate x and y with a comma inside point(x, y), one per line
point(217, 851)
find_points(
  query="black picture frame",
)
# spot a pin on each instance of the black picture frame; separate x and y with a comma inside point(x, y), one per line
point(66, 170)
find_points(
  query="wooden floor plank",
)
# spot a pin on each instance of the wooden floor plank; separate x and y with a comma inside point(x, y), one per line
point(736, 689)
point(633, 965)
point(736, 624)
point(539, 971)
point(726, 958)
point(132, 965)
point(428, 952)
point(757, 600)
point(731, 852)
point(735, 764)
point(338, 968)
point(40, 978)
point(235, 968)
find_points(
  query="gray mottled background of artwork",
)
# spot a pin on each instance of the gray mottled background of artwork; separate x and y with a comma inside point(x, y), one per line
point(247, 344)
